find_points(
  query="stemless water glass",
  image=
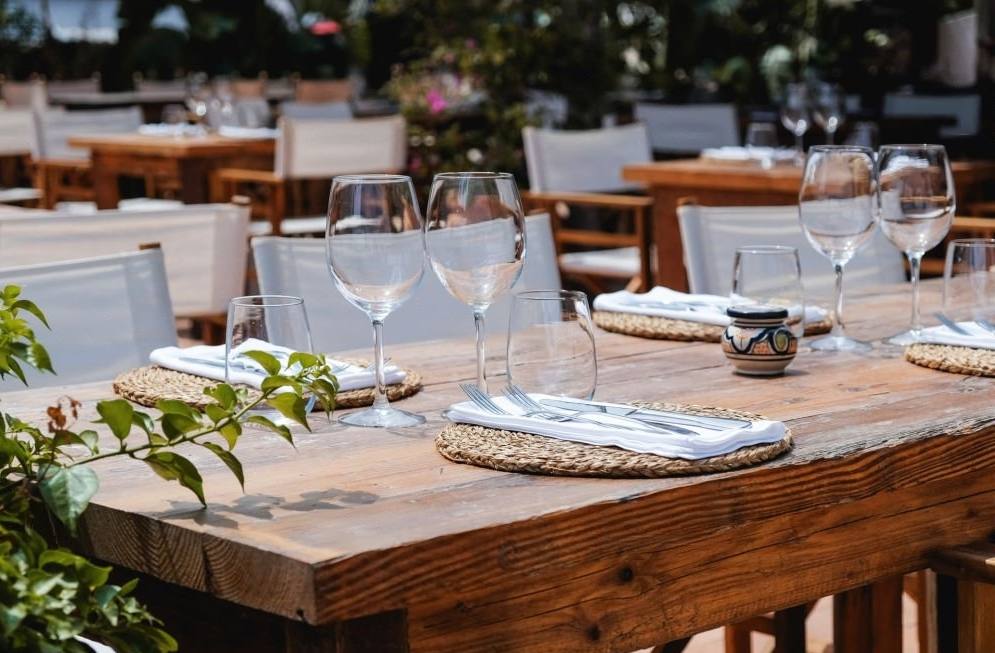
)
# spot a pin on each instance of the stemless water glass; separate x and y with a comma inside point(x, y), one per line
point(772, 275)
point(969, 280)
point(916, 201)
point(761, 141)
point(376, 253)
point(836, 207)
point(551, 344)
point(475, 235)
point(829, 112)
point(264, 323)
point(795, 113)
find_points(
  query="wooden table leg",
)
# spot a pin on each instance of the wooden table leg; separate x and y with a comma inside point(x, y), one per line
point(666, 231)
point(194, 178)
point(789, 629)
point(104, 183)
point(869, 619)
point(975, 617)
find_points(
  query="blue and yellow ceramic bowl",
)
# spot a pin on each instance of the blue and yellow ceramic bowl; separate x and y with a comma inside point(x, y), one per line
point(759, 342)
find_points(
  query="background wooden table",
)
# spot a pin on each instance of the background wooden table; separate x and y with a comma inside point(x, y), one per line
point(722, 184)
point(368, 540)
point(183, 164)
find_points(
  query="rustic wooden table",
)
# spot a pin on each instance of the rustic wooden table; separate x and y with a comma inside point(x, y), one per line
point(184, 163)
point(721, 184)
point(368, 540)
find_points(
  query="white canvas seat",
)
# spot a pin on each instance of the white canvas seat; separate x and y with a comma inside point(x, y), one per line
point(710, 236)
point(689, 128)
point(32, 94)
point(17, 127)
point(297, 266)
point(583, 168)
point(53, 129)
point(205, 246)
point(316, 111)
point(107, 314)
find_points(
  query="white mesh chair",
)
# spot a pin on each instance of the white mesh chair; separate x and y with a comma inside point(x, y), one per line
point(710, 236)
point(32, 94)
point(297, 266)
point(689, 128)
point(205, 246)
point(966, 109)
point(16, 129)
point(582, 169)
point(316, 110)
point(107, 313)
point(314, 149)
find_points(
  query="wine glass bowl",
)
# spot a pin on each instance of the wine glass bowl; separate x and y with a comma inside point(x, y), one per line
point(795, 113)
point(771, 275)
point(829, 111)
point(969, 280)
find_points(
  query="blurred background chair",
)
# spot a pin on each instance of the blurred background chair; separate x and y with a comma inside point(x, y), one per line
point(32, 94)
point(316, 110)
point(964, 109)
point(681, 129)
point(572, 169)
point(313, 149)
point(297, 266)
point(16, 129)
point(323, 90)
point(106, 314)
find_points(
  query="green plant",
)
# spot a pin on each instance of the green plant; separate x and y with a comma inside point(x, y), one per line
point(49, 595)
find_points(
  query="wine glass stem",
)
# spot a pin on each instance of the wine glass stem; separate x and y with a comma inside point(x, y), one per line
point(799, 142)
point(915, 263)
point(838, 329)
point(380, 397)
point(478, 322)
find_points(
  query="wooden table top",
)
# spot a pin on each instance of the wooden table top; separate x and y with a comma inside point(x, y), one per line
point(712, 175)
point(209, 145)
point(891, 460)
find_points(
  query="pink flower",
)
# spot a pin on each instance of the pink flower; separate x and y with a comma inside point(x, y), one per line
point(436, 102)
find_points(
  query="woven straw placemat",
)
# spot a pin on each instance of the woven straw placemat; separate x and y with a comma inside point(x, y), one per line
point(949, 358)
point(512, 451)
point(662, 328)
point(147, 385)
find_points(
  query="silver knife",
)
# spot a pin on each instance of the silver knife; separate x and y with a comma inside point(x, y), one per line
point(950, 324)
point(668, 306)
point(986, 325)
point(650, 415)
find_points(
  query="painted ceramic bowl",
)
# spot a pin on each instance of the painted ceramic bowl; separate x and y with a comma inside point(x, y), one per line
point(759, 342)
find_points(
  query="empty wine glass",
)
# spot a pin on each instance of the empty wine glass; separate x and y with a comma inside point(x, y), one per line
point(376, 253)
point(551, 344)
point(475, 236)
point(795, 114)
point(829, 111)
point(916, 201)
point(836, 207)
point(771, 275)
point(969, 280)
point(761, 141)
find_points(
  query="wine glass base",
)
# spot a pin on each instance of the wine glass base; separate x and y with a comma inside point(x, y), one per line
point(904, 339)
point(839, 343)
point(382, 418)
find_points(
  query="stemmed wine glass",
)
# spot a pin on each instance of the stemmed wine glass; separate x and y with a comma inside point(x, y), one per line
point(475, 236)
point(795, 113)
point(375, 248)
point(916, 201)
point(837, 212)
point(829, 112)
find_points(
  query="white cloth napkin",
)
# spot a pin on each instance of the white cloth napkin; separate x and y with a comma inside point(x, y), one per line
point(166, 129)
point(944, 335)
point(706, 309)
point(209, 362)
point(231, 131)
point(703, 444)
point(737, 153)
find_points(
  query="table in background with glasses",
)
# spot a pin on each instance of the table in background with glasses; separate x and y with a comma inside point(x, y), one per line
point(724, 184)
point(367, 540)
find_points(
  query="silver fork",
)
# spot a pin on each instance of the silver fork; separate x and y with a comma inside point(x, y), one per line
point(950, 324)
point(521, 399)
point(986, 325)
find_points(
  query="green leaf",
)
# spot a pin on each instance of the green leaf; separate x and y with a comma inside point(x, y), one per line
point(279, 381)
point(302, 358)
point(30, 307)
point(279, 429)
point(291, 406)
point(174, 407)
point(38, 357)
point(229, 460)
point(224, 394)
point(174, 425)
point(143, 421)
point(11, 292)
point(90, 439)
point(230, 432)
point(67, 492)
point(174, 467)
point(117, 414)
point(268, 361)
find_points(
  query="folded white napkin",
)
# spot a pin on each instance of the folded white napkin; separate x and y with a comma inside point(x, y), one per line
point(167, 129)
point(664, 302)
point(703, 444)
point(209, 362)
point(737, 153)
point(979, 338)
point(230, 131)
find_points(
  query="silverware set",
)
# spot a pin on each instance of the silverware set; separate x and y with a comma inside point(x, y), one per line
point(956, 328)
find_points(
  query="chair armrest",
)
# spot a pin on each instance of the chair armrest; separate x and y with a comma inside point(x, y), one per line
point(974, 562)
point(603, 200)
point(248, 176)
point(63, 164)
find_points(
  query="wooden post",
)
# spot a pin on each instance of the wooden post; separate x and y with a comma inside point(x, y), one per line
point(869, 619)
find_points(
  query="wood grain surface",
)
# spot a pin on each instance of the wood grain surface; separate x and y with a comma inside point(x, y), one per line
point(891, 462)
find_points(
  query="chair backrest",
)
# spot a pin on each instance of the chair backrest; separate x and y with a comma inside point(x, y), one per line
point(965, 108)
point(319, 110)
point(205, 246)
point(86, 85)
point(710, 236)
point(957, 49)
point(689, 128)
point(32, 94)
point(53, 129)
point(586, 160)
point(325, 148)
point(107, 313)
point(297, 266)
point(248, 88)
point(16, 129)
point(323, 90)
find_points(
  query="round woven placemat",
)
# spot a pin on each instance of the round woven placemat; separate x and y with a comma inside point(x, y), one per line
point(662, 328)
point(948, 358)
point(512, 451)
point(147, 385)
